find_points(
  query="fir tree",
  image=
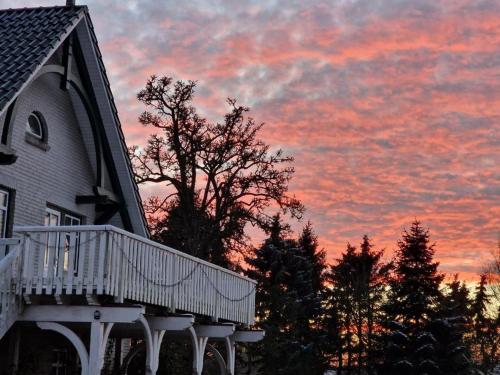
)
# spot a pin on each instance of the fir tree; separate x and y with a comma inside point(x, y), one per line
point(414, 289)
point(452, 330)
point(412, 304)
point(354, 307)
point(287, 303)
point(486, 328)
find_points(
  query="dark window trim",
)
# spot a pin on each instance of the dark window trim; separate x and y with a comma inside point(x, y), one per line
point(10, 209)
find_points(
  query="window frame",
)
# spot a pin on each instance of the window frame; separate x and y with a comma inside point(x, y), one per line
point(35, 139)
point(6, 231)
point(29, 128)
point(5, 211)
point(62, 215)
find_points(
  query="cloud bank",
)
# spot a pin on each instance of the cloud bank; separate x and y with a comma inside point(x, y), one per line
point(391, 108)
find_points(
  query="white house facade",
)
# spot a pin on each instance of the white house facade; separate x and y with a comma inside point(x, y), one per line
point(75, 258)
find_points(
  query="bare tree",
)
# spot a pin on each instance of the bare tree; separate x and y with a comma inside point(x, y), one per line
point(493, 273)
point(216, 177)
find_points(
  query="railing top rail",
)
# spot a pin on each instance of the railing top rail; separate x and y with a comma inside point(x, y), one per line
point(111, 228)
point(10, 241)
point(7, 260)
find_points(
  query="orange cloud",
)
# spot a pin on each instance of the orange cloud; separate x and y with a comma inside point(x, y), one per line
point(392, 110)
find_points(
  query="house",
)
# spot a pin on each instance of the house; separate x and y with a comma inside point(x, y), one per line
point(75, 258)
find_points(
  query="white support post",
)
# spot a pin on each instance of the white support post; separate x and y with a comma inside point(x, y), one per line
point(99, 333)
point(157, 339)
point(150, 352)
point(199, 338)
point(159, 325)
point(231, 355)
point(199, 344)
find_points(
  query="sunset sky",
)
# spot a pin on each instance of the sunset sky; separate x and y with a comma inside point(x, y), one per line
point(391, 108)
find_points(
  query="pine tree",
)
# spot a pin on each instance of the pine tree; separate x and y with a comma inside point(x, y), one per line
point(287, 303)
point(354, 307)
point(374, 275)
point(308, 243)
point(412, 304)
point(483, 324)
point(452, 329)
point(309, 281)
point(414, 289)
point(341, 309)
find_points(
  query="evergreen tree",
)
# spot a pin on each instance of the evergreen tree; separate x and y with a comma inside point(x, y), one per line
point(412, 304)
point(486, 328)
point(287, 303)
point(456, 302)
point(309, 281)
point(414, 289)
point(374, 275)
point(341, 309)
point(354, 307)
point(452, 330)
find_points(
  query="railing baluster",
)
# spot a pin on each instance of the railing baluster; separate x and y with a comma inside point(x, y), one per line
point(110, 261)
point(107, 277)
point(71, 262)
point(135, 275)
point(89, 285)
point(28, 264)
point(103, 236)
point(116, 262)
point(147, 269)
point(41, 260)
point(83, 263)
point(125, 256)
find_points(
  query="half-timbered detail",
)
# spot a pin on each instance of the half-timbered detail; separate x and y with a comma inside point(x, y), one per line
point(75, 257)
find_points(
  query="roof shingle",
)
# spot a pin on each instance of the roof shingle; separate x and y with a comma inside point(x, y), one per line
point(26, 38)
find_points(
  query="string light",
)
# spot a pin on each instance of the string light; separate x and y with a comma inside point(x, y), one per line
point(145, 277)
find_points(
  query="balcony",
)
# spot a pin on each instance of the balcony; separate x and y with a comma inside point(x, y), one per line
point(104, 260)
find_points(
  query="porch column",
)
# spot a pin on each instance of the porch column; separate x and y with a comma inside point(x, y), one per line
point(148, 340)
point(99, 333)
point(158, 325)
point(230, 354)
point(199, 337)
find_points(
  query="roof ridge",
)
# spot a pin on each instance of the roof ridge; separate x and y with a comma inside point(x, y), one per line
point(44, 8)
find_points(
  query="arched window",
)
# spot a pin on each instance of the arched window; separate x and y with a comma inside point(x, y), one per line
point(35, 126)
point(36, 131)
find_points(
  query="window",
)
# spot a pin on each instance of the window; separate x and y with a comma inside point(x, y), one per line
point(66, 241)
point(4, 211)
point(36, 131)
point(35, 125)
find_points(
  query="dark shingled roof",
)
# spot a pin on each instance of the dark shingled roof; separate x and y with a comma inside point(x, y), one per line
point(26, 38)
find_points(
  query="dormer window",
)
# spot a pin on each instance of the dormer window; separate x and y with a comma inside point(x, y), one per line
point(34, 126)
point(36, 131)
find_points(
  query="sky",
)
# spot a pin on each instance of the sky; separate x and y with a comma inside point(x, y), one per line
point(390, 108)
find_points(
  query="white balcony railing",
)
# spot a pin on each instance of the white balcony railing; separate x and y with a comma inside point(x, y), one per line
point(105, 260)
point(10, 301)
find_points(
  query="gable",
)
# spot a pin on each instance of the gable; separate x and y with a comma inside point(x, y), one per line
point(54, 173)
point(67, 33)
